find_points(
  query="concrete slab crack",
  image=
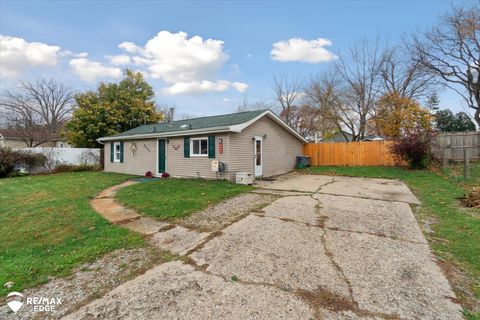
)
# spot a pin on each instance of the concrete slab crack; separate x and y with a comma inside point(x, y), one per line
point(325, 184)
point(381, 235)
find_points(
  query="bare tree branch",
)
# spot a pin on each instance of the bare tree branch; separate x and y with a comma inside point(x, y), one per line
point(36, 111)
point(451, 52)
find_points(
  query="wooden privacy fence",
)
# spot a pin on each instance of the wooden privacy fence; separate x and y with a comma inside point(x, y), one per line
point(367, 153)
point(452, 144)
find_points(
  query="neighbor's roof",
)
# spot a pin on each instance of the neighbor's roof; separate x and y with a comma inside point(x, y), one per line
point(10, 133)
point(234, 122)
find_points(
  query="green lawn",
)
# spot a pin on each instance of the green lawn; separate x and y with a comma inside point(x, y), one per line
point(47, 226)
point(454, 173)
point(456, 229)
point(174, 198)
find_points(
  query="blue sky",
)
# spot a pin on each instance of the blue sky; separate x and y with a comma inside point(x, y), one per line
point(76, 40)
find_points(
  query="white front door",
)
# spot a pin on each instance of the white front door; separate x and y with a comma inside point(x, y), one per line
point(258, 156)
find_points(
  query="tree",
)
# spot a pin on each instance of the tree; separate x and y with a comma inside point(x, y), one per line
point(288, 93)
point(446, 121)
point(397, 114)
point(403, 76)
point(451, 51)
point(347, 96)
point(433, 101)
point(327, 96)
point(36, 111)
point(247, 105)
point(463, 122)
point(111, 109)
point(360, 72)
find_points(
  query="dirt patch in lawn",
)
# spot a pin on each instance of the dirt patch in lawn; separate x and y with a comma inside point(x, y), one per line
point(221, 215)
point(89, 282)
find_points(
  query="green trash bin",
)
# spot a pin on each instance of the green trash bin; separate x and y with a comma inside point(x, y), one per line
point(302, 162)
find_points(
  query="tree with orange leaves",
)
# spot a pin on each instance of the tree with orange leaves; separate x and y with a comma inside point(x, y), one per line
point(396, 114)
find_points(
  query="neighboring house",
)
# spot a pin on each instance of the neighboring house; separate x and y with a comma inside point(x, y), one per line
point(10, 138)
point(256, 142)
point(373, 137)
point(338, 137)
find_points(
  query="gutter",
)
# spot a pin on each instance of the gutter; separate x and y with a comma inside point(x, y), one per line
point(165, 134)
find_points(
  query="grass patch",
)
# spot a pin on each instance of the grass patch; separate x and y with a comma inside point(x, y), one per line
point(456, 231)
point(454, 173)
point(47, 226)
point(174, 198)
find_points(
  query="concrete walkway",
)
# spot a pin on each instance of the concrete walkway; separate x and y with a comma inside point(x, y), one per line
point(168, 237)
point(329, 248)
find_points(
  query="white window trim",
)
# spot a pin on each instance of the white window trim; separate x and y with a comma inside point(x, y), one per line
point(191, 148)
point(115, 159)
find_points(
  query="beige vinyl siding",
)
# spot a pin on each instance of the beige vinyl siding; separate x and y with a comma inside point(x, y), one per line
point(280, 148)
point(179, 166)
point(145, 158)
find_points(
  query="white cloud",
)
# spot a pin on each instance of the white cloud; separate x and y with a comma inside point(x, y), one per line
point(296, 49)
point(16, 55)
point(68, 53)
point(187, 65)
point(240, 86)
point(91, 70)
point(174, 57)
point(119, 60)
point(195, 87)
point(130, 47)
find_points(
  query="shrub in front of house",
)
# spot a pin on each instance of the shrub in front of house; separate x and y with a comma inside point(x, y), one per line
point(165, 175)
point(12, 161)
point(76, 168)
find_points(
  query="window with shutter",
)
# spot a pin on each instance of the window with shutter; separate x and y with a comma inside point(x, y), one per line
point(211, 146)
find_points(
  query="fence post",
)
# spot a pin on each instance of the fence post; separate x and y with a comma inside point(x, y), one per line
point(466, 164)
point(445, 158)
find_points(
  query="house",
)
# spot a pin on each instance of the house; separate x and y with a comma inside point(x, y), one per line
point(339, 137)
point(256, 142)
point(13, 139)
point(373, 137)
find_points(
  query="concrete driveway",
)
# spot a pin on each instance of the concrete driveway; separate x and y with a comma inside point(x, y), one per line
point(328, 248)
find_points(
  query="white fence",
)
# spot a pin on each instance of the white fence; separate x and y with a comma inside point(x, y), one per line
point(74, 156)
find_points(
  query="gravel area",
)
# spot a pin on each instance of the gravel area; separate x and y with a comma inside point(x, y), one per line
point(88, 282)
point(219, 216)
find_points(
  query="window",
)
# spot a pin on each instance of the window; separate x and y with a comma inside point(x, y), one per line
point(116, 152)
point(199, 147)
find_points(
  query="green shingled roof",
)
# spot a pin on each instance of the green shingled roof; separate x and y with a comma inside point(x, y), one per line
point(195, 123)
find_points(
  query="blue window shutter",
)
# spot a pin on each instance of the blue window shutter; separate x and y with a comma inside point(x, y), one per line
point(121, 151)
point(211, 146)
point(186, 147)
point(111, 151)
